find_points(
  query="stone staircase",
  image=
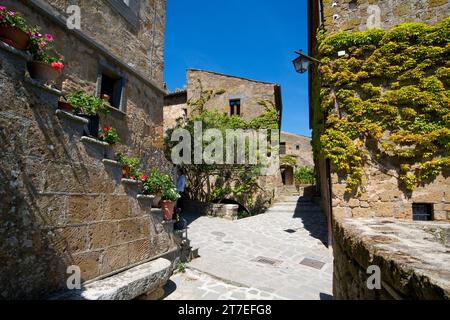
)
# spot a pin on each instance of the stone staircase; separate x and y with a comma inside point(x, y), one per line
point(83, 211)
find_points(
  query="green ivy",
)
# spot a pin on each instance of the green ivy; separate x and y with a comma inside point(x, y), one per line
point(393, 97)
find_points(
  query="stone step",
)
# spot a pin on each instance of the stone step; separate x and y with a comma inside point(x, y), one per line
point(71, 117)
point(127, 285)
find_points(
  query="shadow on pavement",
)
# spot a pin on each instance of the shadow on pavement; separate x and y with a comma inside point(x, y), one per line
point(312, 217)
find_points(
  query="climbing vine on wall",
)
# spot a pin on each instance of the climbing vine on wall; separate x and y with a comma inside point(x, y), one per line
point(388, 100)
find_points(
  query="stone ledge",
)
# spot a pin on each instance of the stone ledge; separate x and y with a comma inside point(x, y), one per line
point(24, 55)
point(71, 117)
point(126, 285)
point(168, 222)
point(413, 258)
point(110, 162)
point(130, 182)
point(43, 86)
point(157, 211)
point(94, 141)
point(145, 197)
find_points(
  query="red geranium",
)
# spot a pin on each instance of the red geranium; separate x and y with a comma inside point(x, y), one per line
point(57, 65)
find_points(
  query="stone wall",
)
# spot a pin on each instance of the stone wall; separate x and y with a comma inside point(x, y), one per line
point(382, 196)
point(141, 46)
point(62, 204)
point(359, 15)
point(413, 259)
point(304, 153)
point(250, 92)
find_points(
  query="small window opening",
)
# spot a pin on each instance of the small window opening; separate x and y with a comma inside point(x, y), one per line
point(282, 147)
point(235, 107)
point(422, 212)
point(111, 89)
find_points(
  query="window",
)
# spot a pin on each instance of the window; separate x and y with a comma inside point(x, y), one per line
point(111, 83)
point(422, 212)
point(282, 147)
point(235, 107)
point(128, 9)
point(297, 147)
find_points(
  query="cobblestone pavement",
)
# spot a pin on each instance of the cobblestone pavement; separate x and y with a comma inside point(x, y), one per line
point(290, 232)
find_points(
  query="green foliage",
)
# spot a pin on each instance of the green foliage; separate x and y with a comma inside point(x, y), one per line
point(13, 19)
point(392, 89)
point(169, 192)
point(288, 160)
point(132, 163)
point(109, 135)
point(304, 175)
point(233, 180)
point(86, 104)
point(152, 183)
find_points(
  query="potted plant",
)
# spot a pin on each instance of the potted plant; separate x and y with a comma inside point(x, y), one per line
point(46, 64)
point(129, 166)
point(88, 107)
point(65, 106)
point(152, 185)
point(13, 29)
point(169, 197)
point(109, 135)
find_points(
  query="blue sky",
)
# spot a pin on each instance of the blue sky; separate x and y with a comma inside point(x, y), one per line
point(254, 39)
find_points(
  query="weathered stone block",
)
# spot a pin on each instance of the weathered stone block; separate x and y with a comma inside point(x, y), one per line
point(83, 209)
point(89, 264)
point(114, 258)
point(117, 207)
point(103, 235)
point(130, 230)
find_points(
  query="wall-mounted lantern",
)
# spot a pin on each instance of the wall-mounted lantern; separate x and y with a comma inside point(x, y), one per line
point(302, 62)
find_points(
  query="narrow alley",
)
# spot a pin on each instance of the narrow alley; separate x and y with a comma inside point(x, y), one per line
point(281, 254)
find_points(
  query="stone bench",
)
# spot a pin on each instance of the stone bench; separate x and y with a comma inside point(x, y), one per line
point(128, 285)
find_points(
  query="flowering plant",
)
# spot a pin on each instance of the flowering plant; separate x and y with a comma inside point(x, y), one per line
point(12, 19)
point(152, 183)
point(109, 135)
point(170, 195)
point(132, 163)
point(41, 47)
point(169, 192)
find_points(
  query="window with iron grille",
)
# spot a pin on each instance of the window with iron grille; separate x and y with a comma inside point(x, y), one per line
point(422, 212)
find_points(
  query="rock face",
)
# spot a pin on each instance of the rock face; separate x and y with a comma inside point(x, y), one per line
point(413, 259)
point(61, 204)
point(128, 285)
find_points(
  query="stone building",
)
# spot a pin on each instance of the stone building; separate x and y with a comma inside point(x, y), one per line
point(241, 96)
point(236, 96)
point(357, 245)
point(64, 202)
point(296, 146)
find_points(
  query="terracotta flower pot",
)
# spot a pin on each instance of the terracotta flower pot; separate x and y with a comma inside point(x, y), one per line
point(42, 71)
point(62, 105)
point(126, 172)
point(167, 207)
point(14, 37)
